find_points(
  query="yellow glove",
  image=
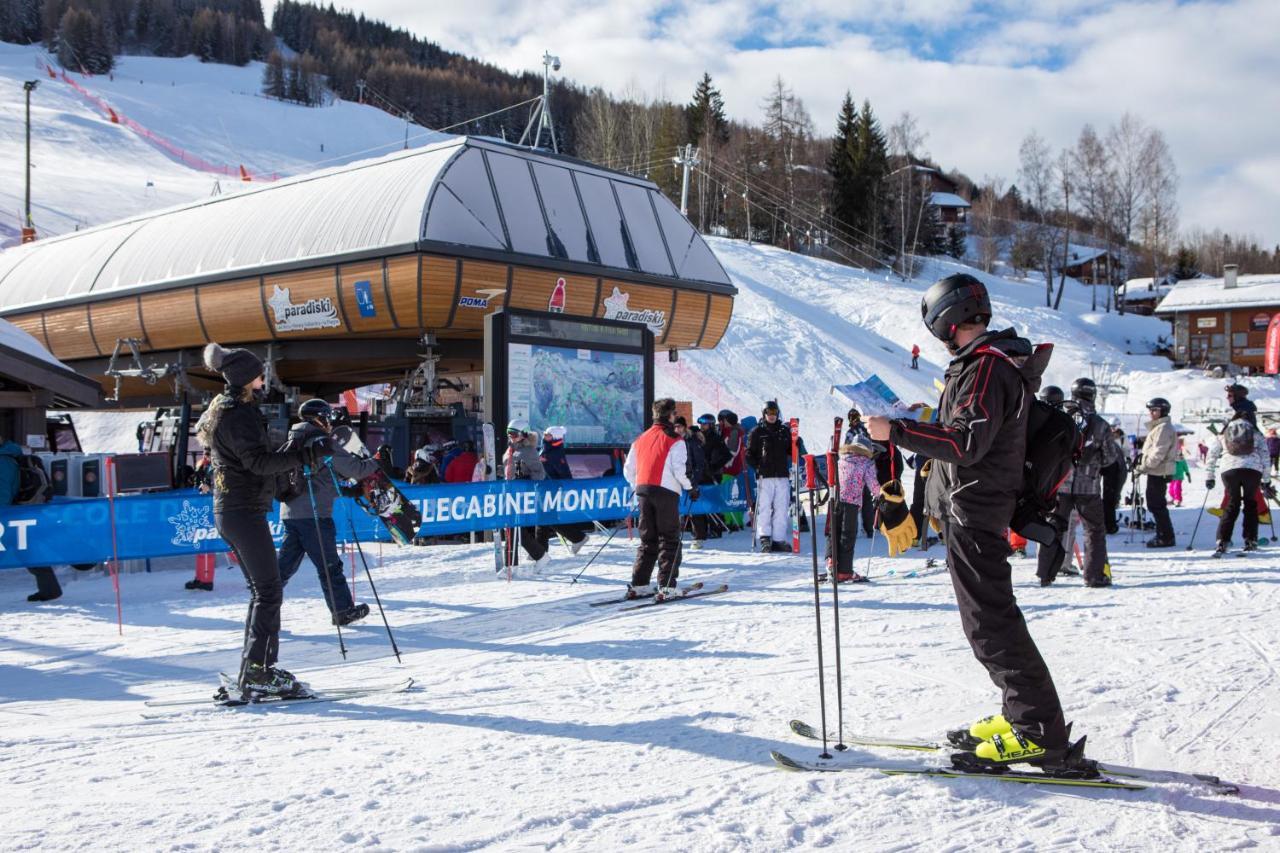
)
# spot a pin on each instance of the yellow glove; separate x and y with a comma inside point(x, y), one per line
point(896, 523)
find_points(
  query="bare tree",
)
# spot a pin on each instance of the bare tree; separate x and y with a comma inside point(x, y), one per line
point(1095, 191)
point(1063, 172)
point(788, 128)
point(910, 187)
point(985, 221)
point(1158, 222)
point(1036, 177)
point(1129, 149)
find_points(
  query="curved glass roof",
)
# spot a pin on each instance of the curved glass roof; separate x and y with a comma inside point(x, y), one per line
point(486, 197)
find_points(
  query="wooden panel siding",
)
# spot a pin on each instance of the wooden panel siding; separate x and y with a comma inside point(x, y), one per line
point(33, 325)
point(321, 283)
point(402, 281)
point(170, 318)
point(686, 325)
point(532, 289)
point(439, 282)
point(115, 319)
point(480, 280)
point(232, 313)
point(371, 272)
point(718, 322)
point(68, 331)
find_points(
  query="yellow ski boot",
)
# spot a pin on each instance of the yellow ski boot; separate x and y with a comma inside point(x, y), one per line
point(980, 731)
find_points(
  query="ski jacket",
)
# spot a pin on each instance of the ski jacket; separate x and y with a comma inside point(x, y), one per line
point(888, 466)
point(717, 454)
point(735, 442)
point(769, 449)
point(1181, 470)
point(856, 473)
point(1159, 449)
point(463, 468)
point(346, 466)
point(979, 442)
point(244, 465)
point(1098, 450)
point(10, 475)
point(522, 463)
point(1273, 445)
point(555, 462)
point(695, 465)
point(658, 459)
point(1259, 460)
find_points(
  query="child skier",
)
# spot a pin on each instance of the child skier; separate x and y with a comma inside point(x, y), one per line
point(857, 471)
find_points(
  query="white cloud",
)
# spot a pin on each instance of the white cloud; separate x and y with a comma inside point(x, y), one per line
point(1203, 72)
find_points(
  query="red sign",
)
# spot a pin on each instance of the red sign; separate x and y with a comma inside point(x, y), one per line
point(1271, 363)
point(556, 303)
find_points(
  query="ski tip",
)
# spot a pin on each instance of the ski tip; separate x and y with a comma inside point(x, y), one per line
point(783, 761)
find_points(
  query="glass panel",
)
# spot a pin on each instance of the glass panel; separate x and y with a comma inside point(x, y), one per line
point(606, 221)
point(451, 221)
point(520, 206)
point(645, 237)
point(693, 257)
point(469, 181)
point(561, 204)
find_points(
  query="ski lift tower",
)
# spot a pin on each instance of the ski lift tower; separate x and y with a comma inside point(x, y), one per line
point(541, 112)
point(1106, 375)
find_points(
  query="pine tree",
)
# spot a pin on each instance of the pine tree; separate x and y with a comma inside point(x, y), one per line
point(847, 200)
point(273, 76)
point(871, 166)
point(706, 119)
point(1185, 265)
point(956, 244)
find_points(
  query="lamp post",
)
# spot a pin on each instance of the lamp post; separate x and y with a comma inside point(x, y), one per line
point(28, 227)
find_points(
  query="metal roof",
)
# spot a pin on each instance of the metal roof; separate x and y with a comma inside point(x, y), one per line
point(1207, 294)
point(479, 194)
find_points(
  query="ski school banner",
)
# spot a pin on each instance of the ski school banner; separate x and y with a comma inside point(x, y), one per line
point(174, 523)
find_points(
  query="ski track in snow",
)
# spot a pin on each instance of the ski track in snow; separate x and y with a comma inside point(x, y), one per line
point(541, 723)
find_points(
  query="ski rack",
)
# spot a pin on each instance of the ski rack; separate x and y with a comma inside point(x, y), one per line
point(149, 373)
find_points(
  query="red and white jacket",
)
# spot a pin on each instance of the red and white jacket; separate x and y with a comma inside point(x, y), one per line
point(657, 459)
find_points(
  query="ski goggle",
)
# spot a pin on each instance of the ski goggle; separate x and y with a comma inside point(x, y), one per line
point(771, 411)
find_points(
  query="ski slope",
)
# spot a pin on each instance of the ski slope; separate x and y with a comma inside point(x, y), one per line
point(539, 722)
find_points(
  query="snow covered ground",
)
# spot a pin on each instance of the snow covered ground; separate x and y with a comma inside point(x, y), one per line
point(541, 723)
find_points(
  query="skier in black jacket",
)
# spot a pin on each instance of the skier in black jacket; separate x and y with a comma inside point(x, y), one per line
point(769, 452)
point(244, 468)
point(978, 447)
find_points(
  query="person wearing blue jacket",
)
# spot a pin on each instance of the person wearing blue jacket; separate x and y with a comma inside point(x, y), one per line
point(47, 586)
point(556, 463)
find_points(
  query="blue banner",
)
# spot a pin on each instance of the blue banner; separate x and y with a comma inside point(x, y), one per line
point(70, 530)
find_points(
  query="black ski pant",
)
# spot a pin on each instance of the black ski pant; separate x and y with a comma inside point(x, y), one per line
point(868, 513)
point(1158, 506)
point(47, 582)
point(534, 543)
point(917, 498)
point(997, 633)
point(300, 539)
point(250, 538)
point(571, 532)
point(1049, 560)
point(659, 536)
point(1112, 488)
point(846, 520)
point(1241, 486)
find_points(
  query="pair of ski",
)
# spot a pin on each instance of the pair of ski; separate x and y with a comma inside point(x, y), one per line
point(226, 697)
point(647, 598)
point(1114, 776)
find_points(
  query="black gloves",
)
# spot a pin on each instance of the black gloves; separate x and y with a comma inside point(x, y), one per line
point(1209, 482)
point(1270, 491)
point(316, 450)
point(694, 493)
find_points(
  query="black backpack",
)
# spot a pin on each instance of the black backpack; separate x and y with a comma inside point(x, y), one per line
point(1090, 450)
point(33, 483)
point(289, 484)
point(1054, 443)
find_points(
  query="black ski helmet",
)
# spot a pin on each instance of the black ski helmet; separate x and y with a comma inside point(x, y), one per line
point(1085, 389)
point(771, 406)
point(728, 416)
point(956, 299)
point(1161, 405)
point(316, 410)
point(1052, 395)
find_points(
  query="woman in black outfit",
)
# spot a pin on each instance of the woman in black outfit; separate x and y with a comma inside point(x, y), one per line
point(243, 475)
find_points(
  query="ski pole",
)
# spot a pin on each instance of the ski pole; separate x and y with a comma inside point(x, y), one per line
point(875, 525)
point(1203, 504)
point(817, 612)
point(359, 550)
point(324, 563)
point(616, 528)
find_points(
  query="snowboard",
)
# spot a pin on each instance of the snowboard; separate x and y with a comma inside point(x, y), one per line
point(378, 495)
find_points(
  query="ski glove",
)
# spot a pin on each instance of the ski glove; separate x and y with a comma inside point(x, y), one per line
point(1209, 483)
point(694, 493)
point(896, 523)
point(1270, 491)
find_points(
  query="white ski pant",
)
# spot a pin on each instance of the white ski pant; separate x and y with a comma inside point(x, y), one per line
point(773, 504)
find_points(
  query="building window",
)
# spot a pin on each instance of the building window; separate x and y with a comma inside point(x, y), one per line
point(1239, 340)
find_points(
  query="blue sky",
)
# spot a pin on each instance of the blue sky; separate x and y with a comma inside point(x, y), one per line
point(978, 76)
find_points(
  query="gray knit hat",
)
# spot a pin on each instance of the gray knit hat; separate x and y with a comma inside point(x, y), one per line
point(238, 367)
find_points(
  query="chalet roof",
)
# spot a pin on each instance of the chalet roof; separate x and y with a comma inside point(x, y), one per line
point(484, 195)
point(1251, 291)
point(947, 200)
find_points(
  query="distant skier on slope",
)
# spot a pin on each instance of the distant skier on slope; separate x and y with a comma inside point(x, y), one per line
point(978, 446)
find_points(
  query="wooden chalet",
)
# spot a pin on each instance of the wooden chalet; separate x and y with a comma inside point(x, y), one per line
point(1222, 321)
point(337, 276)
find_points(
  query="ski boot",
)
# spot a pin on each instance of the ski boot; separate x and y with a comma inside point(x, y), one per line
point(1000, 751)
point(258, 681)
point(851, 577)
point(351, 614)
point(1221, 549)
point(1251, 544)
point(766, 544)
point(207, 586)
point(644, 591)
point(575, 547)
point(780, 548)
point(1158, 542)
point(666, 593)
point(697, 545)
point(979, 731)
point(1098, 583)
